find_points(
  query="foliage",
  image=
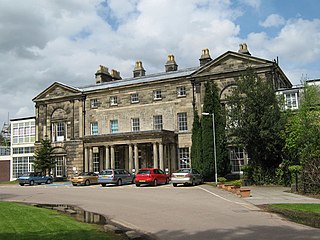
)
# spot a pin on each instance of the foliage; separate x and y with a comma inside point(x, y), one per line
point(295, 169)
point(212, 105)
point(255, 121)
point(222, 179)
point(302, 138)
point(237, 183)
point(27, 222)
point(44, 160)
point(196, 148)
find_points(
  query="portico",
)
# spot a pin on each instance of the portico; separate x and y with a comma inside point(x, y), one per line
point(131, 151)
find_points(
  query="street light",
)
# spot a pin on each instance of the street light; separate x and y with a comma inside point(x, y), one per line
point(214, 145)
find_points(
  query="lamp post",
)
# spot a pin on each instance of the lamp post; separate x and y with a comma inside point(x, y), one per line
point(214, 146)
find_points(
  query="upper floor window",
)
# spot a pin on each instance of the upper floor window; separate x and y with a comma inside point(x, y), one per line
point(135, 124)
point(157, 95)
point(134, 98)
point(94, 128)
point(58, 132)
point(94, 103)
point(182, 121)
point(181, 91)
point(23, 132)
point(157, 122)
point(184, 158)
point(113, 100)
point(291, 100)
point(114, 126)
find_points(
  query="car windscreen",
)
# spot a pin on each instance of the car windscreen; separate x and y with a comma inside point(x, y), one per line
point(187, 170)
point(144, 172)
point(106, 172)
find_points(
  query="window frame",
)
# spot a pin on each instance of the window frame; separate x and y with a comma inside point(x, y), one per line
point(182, 120)
point(135, 124)
point(94, 128)
point(94, 103)
point(157, 122)
point(114, 126)
point(113, 100)
point(181, 91)
point(134, 98)
point(157, 94)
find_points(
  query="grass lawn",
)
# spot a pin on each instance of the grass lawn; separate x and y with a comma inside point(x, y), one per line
point(11, 182)
point(308, 214)
point(18, 221)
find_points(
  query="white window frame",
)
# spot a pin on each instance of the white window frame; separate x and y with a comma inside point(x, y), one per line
point(184, 158)
point(114, 126)
point(94, 127)
point(134, 98)
point(181, 91)
point(157, 122)
point(182, 120)
point(157, 95)
point(94, 103)
point(236, 157)
point(291, 100)
point(135, 124)
point(113, 100)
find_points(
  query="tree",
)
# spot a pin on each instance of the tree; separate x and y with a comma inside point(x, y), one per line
point(302, 137)
point(44, 160)
point(211, 105)
point(196, 148)
point(256, 123)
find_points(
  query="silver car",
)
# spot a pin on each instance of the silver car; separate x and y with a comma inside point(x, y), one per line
point(186, 176)
point(115, 176)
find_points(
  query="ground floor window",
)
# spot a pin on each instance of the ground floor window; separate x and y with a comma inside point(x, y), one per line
point(60, 167)
point(22, 165)
point(184, 159)
point(236, 159)
point(96, 162)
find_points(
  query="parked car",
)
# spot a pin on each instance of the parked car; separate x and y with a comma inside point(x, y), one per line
point(34, 177)
point(186, 176)
point(85, 178)
point(115, 176)
point(153, 176)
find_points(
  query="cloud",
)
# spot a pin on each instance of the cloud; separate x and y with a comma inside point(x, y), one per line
point(252, 3)
point(273, 20)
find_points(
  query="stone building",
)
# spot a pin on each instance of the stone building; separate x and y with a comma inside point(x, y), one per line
point(141, 121)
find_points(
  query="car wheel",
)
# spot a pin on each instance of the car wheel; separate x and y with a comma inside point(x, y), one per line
point(137, 184)
point(193, 183)
point(87, 182)
point(48, 181)
point(31, 183)
point(103, 184)
point(119, 182)
point(74, 184)
point(155, 182)
point(174, 184)
point(21, 184)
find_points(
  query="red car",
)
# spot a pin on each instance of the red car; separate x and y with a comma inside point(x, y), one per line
point(152, 176)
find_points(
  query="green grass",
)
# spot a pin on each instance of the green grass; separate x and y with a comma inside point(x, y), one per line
point(11, 182)
point(308, 214)
point(18, 221)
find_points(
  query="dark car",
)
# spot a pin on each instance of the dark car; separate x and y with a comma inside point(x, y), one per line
point(151, 176)
point(115, 176)
point(34, 177)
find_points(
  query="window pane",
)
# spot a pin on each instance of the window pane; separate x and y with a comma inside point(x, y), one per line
point(157, 122)
point(134, 98)
point(135, 123)
point(184, 160)
point(182, 122)
point(114, 126)
point(94, 128)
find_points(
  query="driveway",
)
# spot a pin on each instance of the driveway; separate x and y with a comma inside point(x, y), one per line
point(165, 212)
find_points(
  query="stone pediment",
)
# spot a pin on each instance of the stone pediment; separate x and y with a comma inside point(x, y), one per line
point(57, 90)
point(231, 62)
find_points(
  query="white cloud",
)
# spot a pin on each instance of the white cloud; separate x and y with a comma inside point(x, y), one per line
point(252, 3)
point(273, 20)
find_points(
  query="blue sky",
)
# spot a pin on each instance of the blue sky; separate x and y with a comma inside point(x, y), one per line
point(46, 41)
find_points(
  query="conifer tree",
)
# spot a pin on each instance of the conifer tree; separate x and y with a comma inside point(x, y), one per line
point(196, 148)
point(44, 160)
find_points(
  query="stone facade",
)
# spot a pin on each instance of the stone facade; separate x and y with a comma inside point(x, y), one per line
point(143, 121)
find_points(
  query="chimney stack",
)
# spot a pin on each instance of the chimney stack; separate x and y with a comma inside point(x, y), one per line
point(205, 57)
point(243, 48)
point(138, 70)
point(171, 64)
point(103, 75)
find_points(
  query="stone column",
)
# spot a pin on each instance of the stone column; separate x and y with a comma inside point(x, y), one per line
point(90, 160)
point(155, 155)
point(161, 156)
point(86, 160)
point(136, 158)
point(130, 158)
point(112, 157)
point(107, 166)
point(101, 165)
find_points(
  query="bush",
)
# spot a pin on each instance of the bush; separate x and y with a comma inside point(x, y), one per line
point(222, 179)
point(237, 183)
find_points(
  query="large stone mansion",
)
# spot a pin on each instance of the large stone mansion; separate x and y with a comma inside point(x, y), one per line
point(142, 121)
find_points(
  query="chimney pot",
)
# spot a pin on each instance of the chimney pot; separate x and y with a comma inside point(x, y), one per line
point(171, 64)
point(138, 70)
point(243, 48)
point(205, 57)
